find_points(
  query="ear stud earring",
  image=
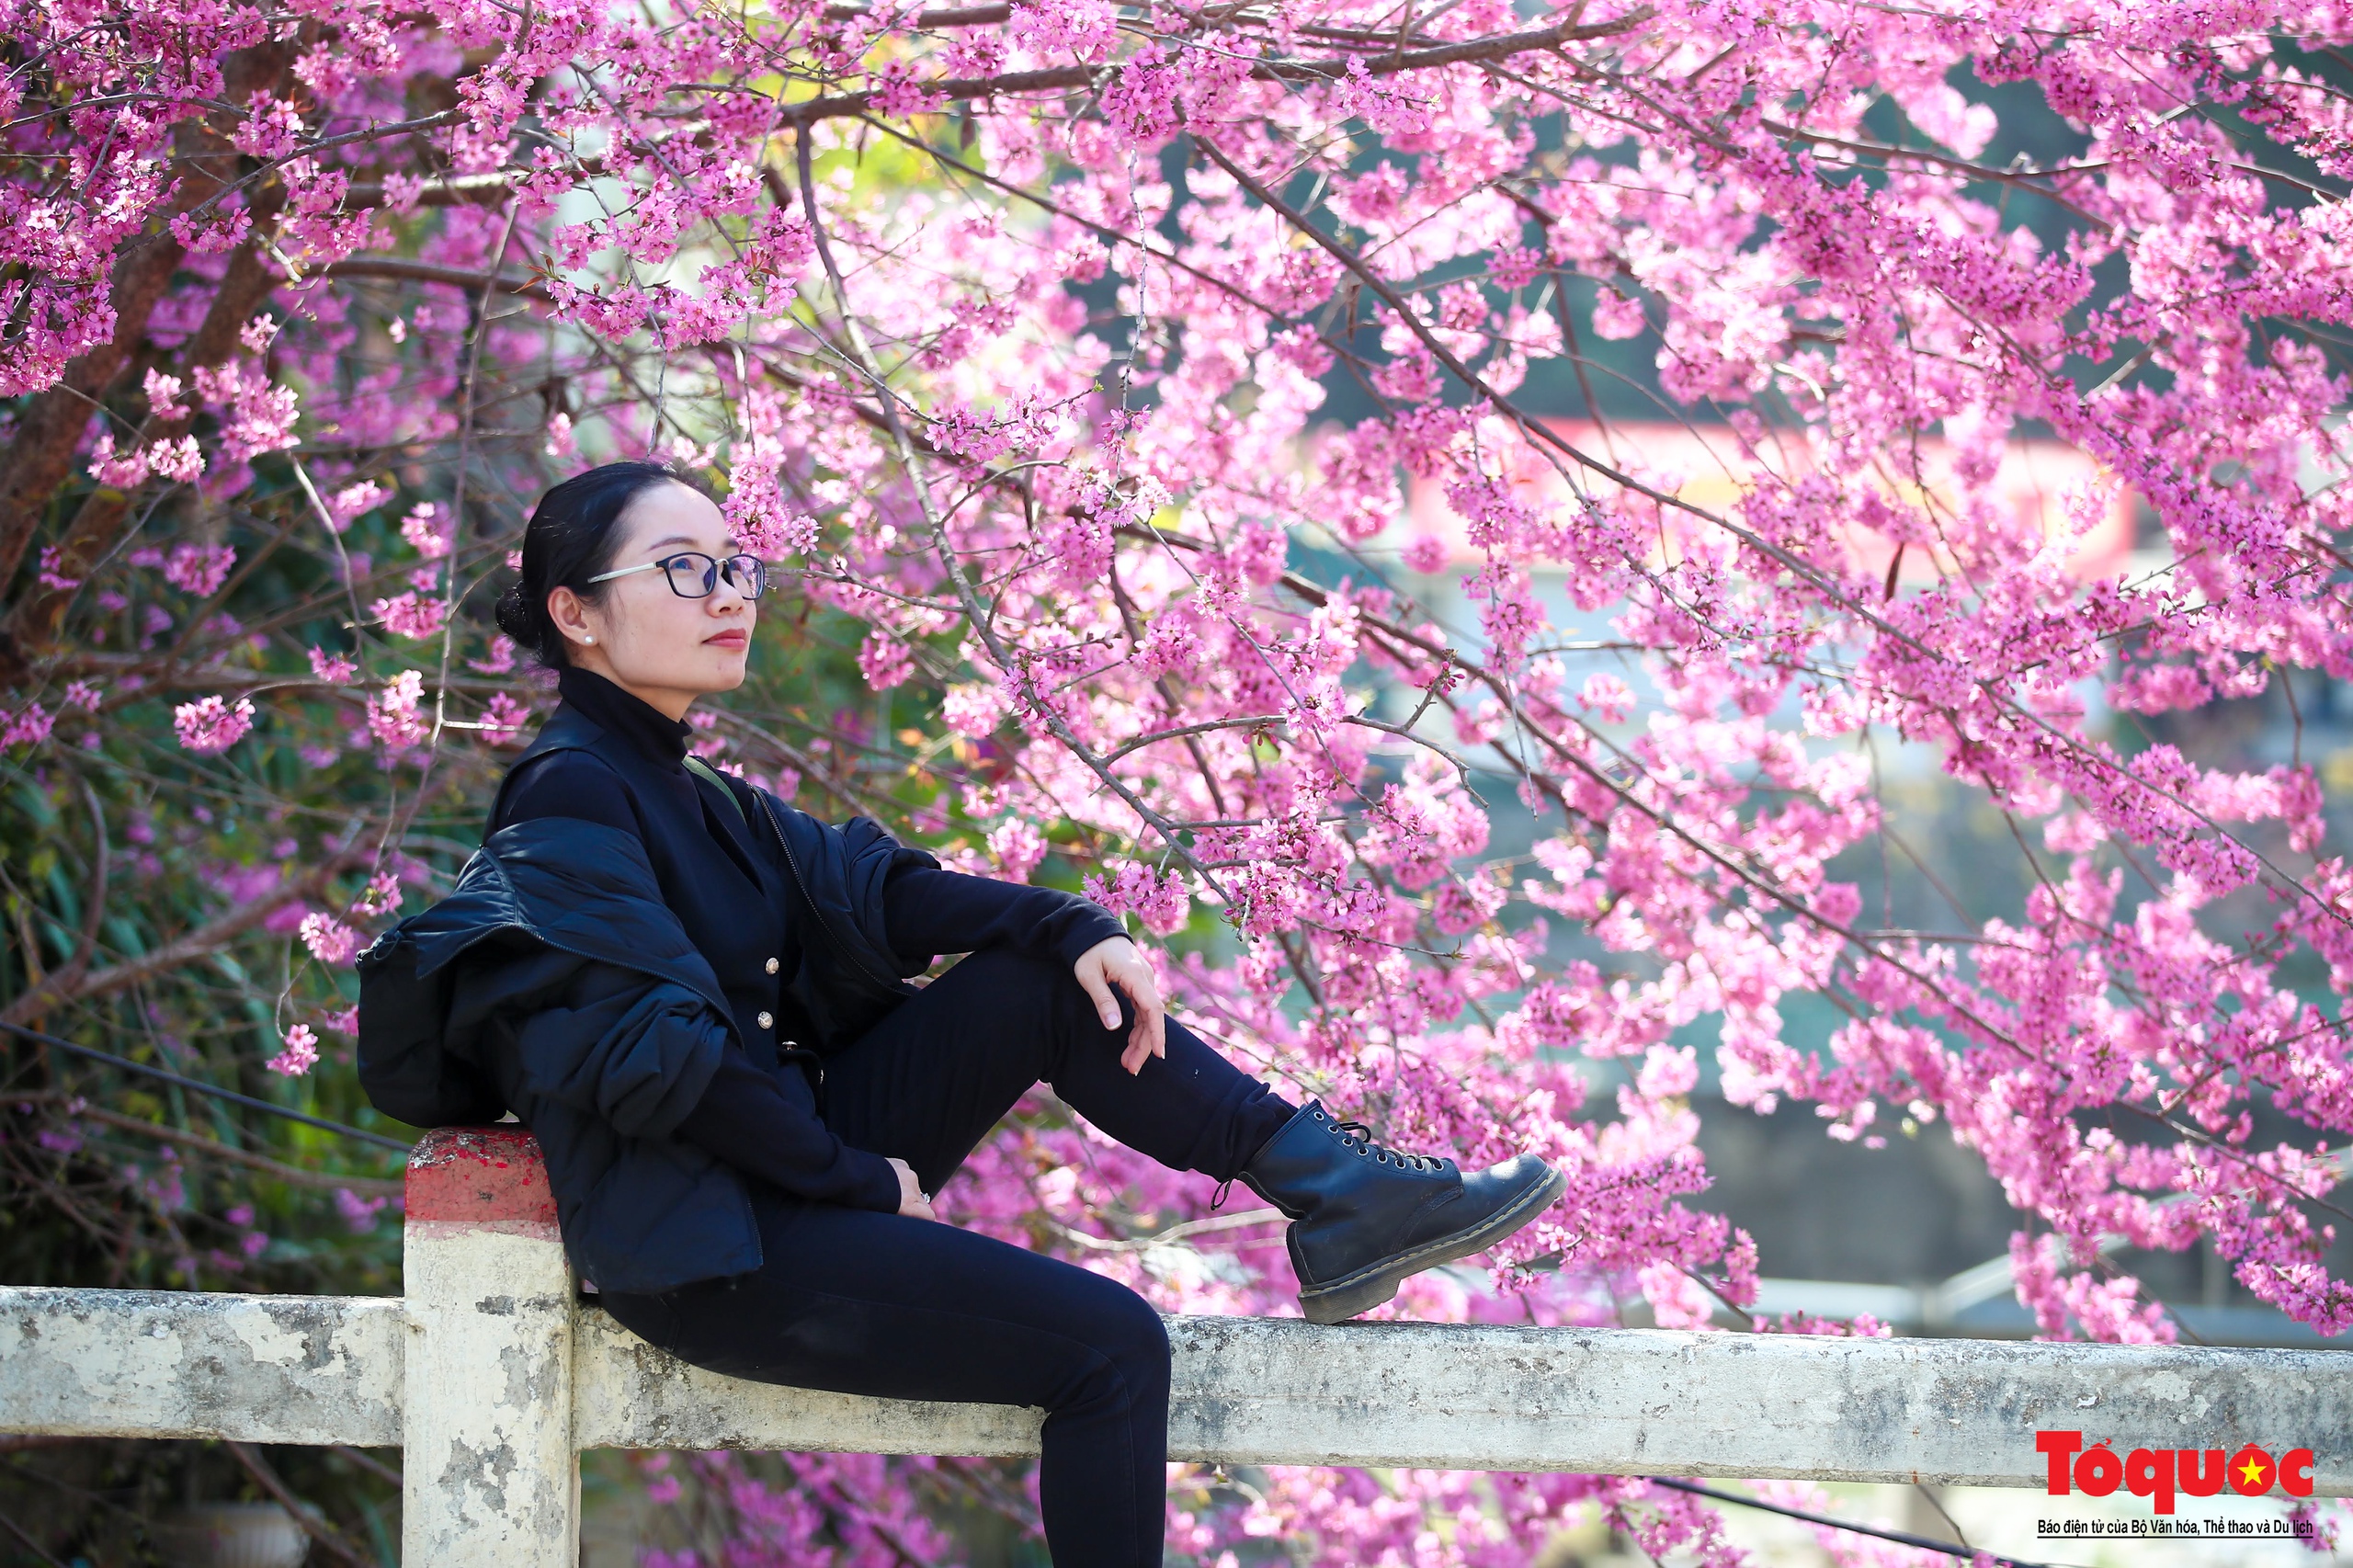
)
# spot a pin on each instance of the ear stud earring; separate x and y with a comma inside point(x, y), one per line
point(588, 640)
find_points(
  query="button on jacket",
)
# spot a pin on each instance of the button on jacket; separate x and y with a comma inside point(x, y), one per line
point(621, 961)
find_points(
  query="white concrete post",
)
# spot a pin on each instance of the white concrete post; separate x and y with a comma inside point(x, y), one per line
point(489, 1478)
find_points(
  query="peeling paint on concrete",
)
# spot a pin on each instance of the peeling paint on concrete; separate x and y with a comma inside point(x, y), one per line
point(1261, 1390)
point(486, 1391)
point(1623, 1402)
point(627, 1394)
point(174, 1364)
point(490, 1476)
point(496, 1378)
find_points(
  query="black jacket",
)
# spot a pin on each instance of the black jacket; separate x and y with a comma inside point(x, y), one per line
point(555, 981)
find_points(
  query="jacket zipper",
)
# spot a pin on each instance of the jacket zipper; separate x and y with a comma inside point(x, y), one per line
point(785, 843)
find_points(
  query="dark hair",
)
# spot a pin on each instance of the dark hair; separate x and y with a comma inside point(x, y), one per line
point(570, 539)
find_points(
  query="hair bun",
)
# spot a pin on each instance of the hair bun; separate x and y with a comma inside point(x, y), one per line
point(513, 617)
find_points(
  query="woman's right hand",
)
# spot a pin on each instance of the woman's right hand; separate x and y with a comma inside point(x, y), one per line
point(913, 1201)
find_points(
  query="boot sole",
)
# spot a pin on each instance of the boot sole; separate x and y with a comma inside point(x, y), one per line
point(1368, 1288)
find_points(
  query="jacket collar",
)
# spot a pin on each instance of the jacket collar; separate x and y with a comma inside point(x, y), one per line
point(627, 718)
point(630, 736)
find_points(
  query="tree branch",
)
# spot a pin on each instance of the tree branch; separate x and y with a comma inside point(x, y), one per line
point(975, 613)
point(293, 1176)
point(1470, 50)
point(199, 943)
point(331, 1539)
point(406, 271)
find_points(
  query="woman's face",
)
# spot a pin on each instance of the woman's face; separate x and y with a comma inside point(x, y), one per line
point(643, 636)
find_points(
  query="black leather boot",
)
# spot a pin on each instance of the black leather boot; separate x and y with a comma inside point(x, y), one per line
point(1363, 1217)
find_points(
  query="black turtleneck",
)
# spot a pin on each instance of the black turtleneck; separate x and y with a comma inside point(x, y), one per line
point(726, 880)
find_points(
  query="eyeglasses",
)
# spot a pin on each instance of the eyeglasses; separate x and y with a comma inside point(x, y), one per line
point(694, 576)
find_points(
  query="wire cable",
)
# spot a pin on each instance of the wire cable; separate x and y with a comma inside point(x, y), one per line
point(202, 1087)
point(1902, 1537)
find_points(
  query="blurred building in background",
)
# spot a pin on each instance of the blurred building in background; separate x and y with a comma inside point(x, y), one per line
point(1915, 1231)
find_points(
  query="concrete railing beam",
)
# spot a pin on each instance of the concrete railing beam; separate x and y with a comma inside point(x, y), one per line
point(493, 1377)
point(177, 1364)
point(1612, 1402)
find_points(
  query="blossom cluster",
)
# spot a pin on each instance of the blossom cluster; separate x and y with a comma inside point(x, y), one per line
point(1038, 353)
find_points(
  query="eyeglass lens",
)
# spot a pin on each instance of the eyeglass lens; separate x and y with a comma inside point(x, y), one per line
point(693, 574)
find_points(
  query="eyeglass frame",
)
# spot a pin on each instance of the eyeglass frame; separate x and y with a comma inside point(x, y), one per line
point(717, 570)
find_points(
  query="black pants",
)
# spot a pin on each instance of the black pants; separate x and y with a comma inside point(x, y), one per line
point(859, 1302)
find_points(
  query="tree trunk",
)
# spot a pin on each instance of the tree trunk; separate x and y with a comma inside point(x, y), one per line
point(39, 456)
point(97, 527)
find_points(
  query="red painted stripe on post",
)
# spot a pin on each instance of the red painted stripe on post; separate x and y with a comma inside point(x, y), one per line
point(480, 1175)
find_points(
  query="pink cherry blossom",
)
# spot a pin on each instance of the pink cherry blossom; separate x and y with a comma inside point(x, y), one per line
point(211, 724)
point(394, 714)
point(502, 720)
point(28, 726)
point(333, 668)
point(199, 570)
point(426, 530)
point(1478, 549)
point(411, 615)
point(331, 942)
point(302, 1052)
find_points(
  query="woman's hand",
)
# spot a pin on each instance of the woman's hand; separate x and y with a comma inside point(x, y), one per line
point(913, 1201)
point(1116, 962)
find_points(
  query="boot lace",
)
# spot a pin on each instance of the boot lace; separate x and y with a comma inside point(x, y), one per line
point(1357, 1137)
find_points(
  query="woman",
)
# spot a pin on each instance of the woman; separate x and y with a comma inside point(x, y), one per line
point(695, 996)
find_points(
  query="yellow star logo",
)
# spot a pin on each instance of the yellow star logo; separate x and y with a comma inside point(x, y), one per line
point(2252, 1471)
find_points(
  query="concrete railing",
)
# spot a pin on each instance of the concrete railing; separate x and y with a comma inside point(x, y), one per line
point(493, 1375)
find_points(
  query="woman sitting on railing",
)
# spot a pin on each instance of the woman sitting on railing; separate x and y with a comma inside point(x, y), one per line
point(695, 996)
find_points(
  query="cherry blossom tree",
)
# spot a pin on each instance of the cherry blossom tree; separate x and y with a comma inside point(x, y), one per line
point(1194, 443)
